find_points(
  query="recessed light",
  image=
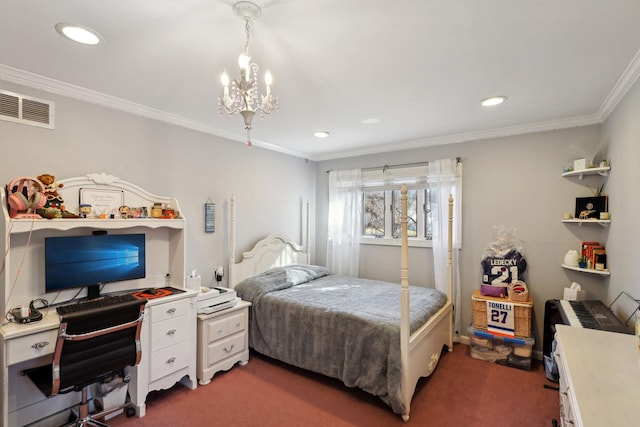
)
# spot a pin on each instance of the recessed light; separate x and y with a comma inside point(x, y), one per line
point(371, 121)
point(78, 34)
point(493, 100)
point(321, 134)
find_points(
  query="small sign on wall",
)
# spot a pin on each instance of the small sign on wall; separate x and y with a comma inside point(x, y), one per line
point(209, 216)
point(500, 318)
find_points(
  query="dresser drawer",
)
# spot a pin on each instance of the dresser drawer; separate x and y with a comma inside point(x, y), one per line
point(227, 347)
point(169, 332)
point(168, 360)
point(31, 346)
point(236, 322)
point(170, 310)
point(221, 327)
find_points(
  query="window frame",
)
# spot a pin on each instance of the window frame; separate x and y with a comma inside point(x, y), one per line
point(388, 180)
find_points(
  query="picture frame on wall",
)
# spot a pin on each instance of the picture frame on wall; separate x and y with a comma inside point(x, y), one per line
point(590, 207)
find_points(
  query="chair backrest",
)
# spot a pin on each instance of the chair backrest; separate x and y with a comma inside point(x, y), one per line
point(92, 344)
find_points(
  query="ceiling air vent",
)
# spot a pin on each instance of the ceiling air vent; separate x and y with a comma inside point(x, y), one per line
point(26, 110)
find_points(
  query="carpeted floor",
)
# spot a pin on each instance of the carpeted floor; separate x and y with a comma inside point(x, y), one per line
point(461, 392)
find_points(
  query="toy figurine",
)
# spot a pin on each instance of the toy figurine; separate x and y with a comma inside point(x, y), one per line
point(85, 210)
point(125, 212)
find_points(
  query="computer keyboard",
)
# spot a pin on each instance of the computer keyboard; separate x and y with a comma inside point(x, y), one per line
point(91, 304)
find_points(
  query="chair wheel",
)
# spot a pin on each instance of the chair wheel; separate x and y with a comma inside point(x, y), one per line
point(130, 412)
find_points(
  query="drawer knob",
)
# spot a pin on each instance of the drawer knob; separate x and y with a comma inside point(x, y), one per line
point(171, 332)
point(228, 350)
point(40, 344)
point(171, 360)
point(171, 310)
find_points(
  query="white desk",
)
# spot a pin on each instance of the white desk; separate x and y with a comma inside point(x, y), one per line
point(168, 355)
point(599, 377)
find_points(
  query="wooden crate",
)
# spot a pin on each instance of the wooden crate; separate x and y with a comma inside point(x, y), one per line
point(523, 312)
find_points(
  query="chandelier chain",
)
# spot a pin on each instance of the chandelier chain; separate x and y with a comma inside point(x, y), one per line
point(247, 30)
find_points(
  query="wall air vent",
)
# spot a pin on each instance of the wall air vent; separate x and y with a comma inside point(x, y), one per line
point(26, 110)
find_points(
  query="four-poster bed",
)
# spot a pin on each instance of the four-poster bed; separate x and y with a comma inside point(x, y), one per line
point(374, 335)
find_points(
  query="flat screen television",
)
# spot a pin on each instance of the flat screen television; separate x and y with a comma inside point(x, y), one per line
point(90, 261)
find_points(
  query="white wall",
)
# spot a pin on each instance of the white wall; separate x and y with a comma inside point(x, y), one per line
point(512, 181)
point(622, 133)
point(270, 188)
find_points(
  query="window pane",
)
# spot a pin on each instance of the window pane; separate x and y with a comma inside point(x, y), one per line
point(428, 213)
point(374, 213)
point(396, 208)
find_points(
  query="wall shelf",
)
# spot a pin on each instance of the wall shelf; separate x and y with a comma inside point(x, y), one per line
point(587, 270)
point(28, 225)
point(602, 222)
point(599, 171)
point(602, 171)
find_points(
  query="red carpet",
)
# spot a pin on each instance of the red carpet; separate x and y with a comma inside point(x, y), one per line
point(461, 392)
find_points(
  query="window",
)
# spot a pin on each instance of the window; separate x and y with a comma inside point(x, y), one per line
point(385, 221)
point(374, 222)
point(382, 209)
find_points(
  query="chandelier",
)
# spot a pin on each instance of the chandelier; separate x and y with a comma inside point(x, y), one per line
point(241, 95)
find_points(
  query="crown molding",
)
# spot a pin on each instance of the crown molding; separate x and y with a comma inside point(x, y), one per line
point(467, 137)
point(36, 81)
point(621, 88)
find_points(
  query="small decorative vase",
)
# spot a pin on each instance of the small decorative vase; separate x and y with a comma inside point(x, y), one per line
point(571, 258)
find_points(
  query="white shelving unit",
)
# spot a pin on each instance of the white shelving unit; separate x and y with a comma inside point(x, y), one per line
point(587, 270)
point(602, 222)
point(601, 171)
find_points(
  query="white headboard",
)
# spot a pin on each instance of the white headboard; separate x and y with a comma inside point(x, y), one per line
point(274, 250)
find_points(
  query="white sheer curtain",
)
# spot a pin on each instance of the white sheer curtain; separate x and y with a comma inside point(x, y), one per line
point(445, 177)
point(345, 222)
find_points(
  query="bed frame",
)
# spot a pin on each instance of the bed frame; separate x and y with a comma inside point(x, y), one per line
point(420, 351)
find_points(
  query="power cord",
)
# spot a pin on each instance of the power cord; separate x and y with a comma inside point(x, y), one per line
point(22, 314)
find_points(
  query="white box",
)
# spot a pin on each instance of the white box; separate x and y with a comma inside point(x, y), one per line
point(579, 164)
point(112, 399)
point(193, 283)
point(571, 294)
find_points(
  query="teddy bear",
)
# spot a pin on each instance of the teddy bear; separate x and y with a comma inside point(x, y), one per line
point(51, 190)
point(53, 207)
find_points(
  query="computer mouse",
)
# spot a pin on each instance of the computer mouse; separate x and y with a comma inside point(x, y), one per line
point(150, 291)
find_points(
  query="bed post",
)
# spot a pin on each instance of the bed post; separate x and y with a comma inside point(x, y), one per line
point(404, 310)
point(232, 241)
point(308, 250)
point(450, 247)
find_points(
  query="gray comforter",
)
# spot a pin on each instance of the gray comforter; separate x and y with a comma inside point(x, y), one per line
point(342, 327)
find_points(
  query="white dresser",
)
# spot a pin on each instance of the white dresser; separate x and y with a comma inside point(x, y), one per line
point(223, 340)
point(599, 377)
point(168, 336)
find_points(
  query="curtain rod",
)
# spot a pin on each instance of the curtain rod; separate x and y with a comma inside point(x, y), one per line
point(401, 165)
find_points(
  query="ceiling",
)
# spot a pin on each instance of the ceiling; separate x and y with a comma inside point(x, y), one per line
point(419, 67)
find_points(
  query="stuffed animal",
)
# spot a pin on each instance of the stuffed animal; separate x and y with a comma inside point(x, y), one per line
point(51, 187)
point(53, 207)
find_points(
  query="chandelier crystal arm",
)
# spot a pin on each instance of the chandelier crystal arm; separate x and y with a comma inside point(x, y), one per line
point(242, 95)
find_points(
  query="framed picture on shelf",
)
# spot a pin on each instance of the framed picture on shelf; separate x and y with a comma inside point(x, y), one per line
point(590, 207)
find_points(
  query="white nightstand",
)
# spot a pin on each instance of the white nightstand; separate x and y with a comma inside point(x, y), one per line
point(223, 341)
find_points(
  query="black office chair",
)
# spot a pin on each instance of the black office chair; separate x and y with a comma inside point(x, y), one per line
point(91, 346)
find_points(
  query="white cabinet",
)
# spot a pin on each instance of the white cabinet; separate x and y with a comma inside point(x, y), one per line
point(599, 377)
point(223, 340)
point(169, 342)
point(169, 329)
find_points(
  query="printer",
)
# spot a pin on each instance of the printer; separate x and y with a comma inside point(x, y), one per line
point(211, 300)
